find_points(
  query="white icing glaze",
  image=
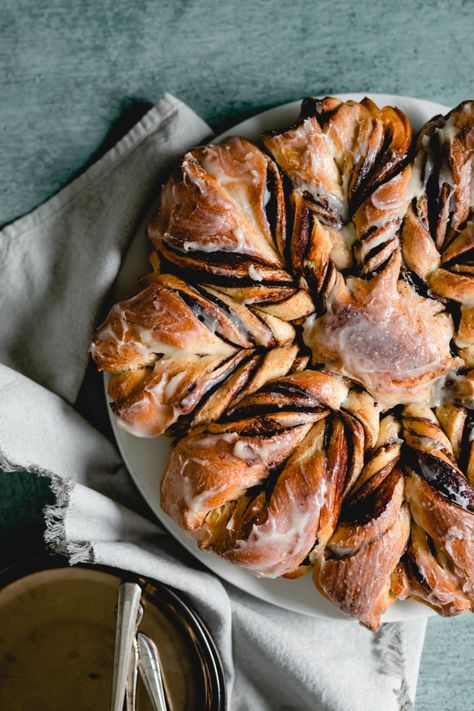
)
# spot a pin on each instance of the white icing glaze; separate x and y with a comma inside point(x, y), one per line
point(398, 201)
point(283, 536)
point(430, 444)
point(229, 217)
point(371, 242)
point(266, 196)
point(131, 426)
point(183, 332)
point(378, 335)
point(211, 440)
point(110, 333)
point(447, 131)
point(252, 451)
point(255, 274)
point(306, 155)
point(158, 396)
point(417, 183)
point(241, 171)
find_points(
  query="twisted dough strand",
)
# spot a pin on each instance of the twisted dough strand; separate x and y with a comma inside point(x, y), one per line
point(349, 162)
point(355, 569)
point(440, 559)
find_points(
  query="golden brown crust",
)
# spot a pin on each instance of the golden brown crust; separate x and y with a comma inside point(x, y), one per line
point(182, 353)
point(438, 233)
point(429, 577)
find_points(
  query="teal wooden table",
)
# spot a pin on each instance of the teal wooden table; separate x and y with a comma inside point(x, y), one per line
point(74, 76)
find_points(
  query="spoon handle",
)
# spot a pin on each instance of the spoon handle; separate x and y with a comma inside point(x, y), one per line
point(128, 603)
point(150, 670)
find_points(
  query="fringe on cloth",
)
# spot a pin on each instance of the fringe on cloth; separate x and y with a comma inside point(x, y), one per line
point(391, 658)
point(55, 520)
point(55, 514)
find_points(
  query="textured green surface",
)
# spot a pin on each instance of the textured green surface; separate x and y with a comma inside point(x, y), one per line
point(69, 72)
point(22, 497)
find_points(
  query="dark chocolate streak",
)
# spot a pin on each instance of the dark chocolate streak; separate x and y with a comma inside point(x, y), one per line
point(290, 218)
point(464, 257)
point(285, 387)
point(443, 478)
point(312, 106)
point(211, 385)
point(201, 312)
point(432, 185)
point(373, 251)
point(373, 497)
point(417, 283)
point(466, 441)
point(261, 425)
point(301, 239)
point(414, 571)
point(349, 435)
point(271, 208)
point(322, 210)
point(233, 279)
point(272, 409)
point(184, 422)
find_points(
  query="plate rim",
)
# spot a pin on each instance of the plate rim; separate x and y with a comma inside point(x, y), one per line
point(399, 611)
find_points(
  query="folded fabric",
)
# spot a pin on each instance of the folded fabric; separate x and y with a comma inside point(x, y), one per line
point(58, 265)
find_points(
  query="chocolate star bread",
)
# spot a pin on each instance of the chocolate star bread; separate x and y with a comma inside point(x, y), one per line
point(306, 336)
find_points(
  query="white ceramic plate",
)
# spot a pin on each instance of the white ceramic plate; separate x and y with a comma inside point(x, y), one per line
point(146, 459)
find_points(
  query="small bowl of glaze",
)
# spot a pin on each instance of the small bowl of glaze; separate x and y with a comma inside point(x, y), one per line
point(57, 633)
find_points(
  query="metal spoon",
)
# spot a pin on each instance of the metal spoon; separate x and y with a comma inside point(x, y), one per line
point(149, 667)
point(128, 603)
point(132, 677)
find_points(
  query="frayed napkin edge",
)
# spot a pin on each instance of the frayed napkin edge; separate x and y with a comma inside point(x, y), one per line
point(389, 650)
point(55, 525)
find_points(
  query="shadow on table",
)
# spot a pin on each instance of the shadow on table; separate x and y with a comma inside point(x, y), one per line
point(131, 111)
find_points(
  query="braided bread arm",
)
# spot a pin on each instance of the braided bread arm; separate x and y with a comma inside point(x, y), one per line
point(429, 577)
point(441, 502)
point(181, 355)
point(458, 424)
point(381, 333)
point(454, 280)
point(438, 233)
point(355, 569)
point(359, 416)
point(349, 161)
point(264, 485)
point(222, 222)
